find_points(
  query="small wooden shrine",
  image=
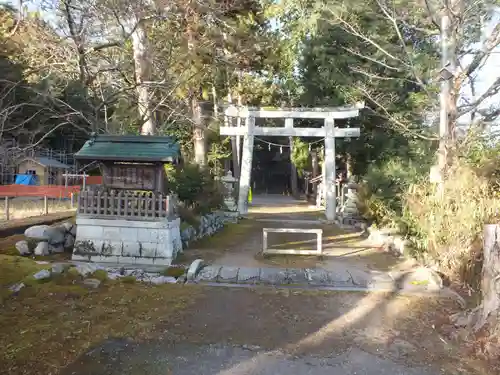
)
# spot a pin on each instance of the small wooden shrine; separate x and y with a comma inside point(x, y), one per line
point(131, 162)
point(130, 218)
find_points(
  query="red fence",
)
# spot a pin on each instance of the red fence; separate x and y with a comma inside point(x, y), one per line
point(49, 191)
point(89, 180)
point(94, 180)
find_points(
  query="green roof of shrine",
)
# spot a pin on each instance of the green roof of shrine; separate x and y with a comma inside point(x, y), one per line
point(129, 148)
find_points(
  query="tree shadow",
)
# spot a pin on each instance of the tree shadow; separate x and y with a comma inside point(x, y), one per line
point(274, 324)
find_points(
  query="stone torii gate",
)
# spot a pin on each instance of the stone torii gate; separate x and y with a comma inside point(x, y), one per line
point(328, 131)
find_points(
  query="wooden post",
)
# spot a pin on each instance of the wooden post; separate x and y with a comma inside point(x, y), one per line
point(7, 211)
point(168, 203)
point(72, 200)
point(45, 205)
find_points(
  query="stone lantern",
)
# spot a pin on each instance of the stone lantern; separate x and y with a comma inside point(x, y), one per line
point(229, 184)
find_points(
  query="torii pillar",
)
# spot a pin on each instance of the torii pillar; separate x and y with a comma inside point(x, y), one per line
point(328, 131)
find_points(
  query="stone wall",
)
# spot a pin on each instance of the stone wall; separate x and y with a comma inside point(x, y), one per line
point(127, 241)
point(209, 224)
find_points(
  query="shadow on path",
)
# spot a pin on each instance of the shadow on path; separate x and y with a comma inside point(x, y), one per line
point(266, 331)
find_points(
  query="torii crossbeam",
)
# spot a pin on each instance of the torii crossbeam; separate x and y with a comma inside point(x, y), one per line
point(328, 131)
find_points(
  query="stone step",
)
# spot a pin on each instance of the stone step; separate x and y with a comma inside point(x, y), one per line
point(304, 277)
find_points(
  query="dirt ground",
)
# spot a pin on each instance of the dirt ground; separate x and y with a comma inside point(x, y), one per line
point(407, 331)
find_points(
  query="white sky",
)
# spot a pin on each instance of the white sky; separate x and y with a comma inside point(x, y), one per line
point(489, 72)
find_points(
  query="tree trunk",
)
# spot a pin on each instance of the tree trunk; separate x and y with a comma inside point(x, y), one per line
point(216, 106)
point(234, 148)
point(142, 74)
point(200, 144)
point(199, 130)
point(488, 318)
point(293, 172)
point(238, 124)
point(450, 88)
point(348, 166)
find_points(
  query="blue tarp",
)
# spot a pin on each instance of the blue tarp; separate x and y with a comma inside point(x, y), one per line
point(26, 179)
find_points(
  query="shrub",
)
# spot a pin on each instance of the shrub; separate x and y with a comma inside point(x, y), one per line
point(382, 188)
point(449, 226)
point(195, 188)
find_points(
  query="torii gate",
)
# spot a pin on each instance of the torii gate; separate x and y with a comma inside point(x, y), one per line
point(329, 132)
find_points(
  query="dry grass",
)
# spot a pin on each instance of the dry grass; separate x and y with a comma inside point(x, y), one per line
point(47, 325)
point(210, 248)
point(20, 208)
point(451, 224)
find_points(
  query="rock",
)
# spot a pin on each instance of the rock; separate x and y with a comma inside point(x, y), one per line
point(272, 276)
point(228, 274)
point(158, 280)
point(181, 279)
point(53, 249)
point(37, 232)
point(422, 278)
point(58, 268)
point(400, 245)
point(252, 348)
point(53, 235)
point(209, 273)
point(194, 268)
point(42, 248)
point(296, 276)
point(317, 276)
point(68, 226)
point(42, 274)
point(461, 319)
point(69, 241)
point(461, 334)
point(22, 247)
point(92, 283)
point(86, 268)
point(248, 275)
point(139, 274)
point(16, 287)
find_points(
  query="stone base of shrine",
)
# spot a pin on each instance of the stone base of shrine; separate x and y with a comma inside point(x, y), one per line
point(127, 242)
